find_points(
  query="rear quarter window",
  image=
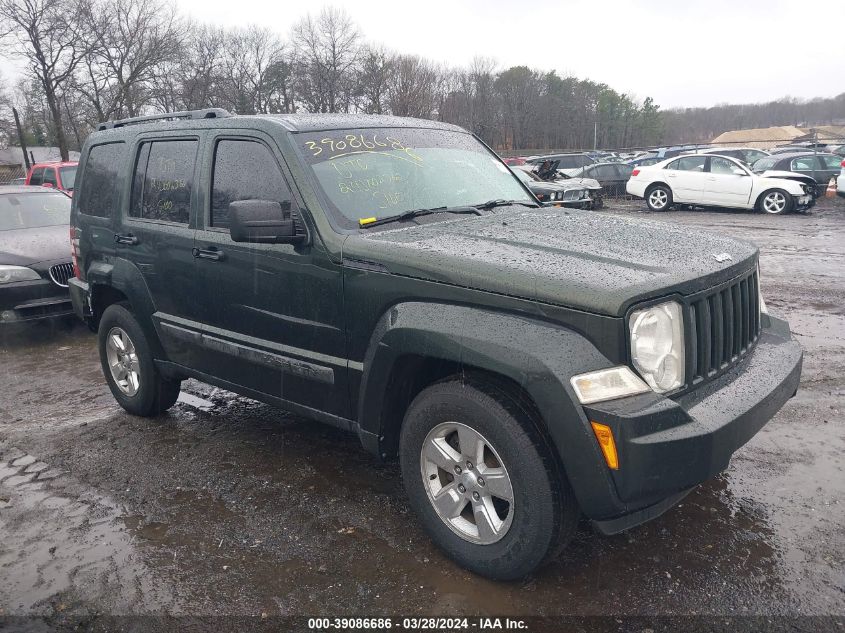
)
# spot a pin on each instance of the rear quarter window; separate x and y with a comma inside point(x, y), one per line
point(37, 176)
point(99, 190)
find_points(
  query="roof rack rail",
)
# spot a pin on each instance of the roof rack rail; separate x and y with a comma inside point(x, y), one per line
point(206, 113)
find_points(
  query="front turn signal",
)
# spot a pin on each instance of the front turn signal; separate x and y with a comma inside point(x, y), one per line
point(608, 446)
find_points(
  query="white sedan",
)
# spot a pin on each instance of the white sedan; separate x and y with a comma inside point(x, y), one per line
point(718, 181)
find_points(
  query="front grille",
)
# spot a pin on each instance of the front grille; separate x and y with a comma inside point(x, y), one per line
point(723, 326)
point(60, 273)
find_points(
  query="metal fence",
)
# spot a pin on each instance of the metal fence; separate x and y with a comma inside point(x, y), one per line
point(11, 174)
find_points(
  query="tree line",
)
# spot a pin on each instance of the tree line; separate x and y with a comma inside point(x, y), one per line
point(88, 61)
point(700, 125)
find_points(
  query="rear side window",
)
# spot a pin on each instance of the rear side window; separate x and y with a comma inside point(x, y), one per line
point(163, 181)
point(100, 186)
point(691, 163)
point(37, 176)
point(244, 170)
point(805, 163)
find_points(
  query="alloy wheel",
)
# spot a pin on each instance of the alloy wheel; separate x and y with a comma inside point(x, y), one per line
point(775, 202)
point(123, 361)
point(658, 198)
point(467, 483)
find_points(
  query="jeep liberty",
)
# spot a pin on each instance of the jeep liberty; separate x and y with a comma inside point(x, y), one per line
point(392, 277)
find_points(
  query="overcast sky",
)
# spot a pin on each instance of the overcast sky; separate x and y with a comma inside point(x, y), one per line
point(680, 53)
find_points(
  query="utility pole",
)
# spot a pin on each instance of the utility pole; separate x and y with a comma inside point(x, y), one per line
point(595, 134)
point(20, 138)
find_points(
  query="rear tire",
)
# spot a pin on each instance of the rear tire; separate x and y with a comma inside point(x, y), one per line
point(455, 422)
point(128, 365)
point(774, 202)
point(659, 198)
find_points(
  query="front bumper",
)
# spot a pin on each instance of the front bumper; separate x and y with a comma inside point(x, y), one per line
point(32, 300)
point(801, 203)
point(668, 445)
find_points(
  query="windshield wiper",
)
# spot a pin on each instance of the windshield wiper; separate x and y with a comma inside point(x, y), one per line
point(416, 213)
point(492, 204)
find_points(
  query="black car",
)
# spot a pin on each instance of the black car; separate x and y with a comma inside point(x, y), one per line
point(820, 167)
point(35, 254)
point(392, 277)
point(612, 176)
point(556, 193)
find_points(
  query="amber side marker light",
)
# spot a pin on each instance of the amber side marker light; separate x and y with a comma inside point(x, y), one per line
point(608, 446)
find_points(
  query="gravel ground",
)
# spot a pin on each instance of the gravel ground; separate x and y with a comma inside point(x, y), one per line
point(228, 506)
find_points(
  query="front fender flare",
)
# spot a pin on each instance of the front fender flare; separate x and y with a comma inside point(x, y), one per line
point(539, 356)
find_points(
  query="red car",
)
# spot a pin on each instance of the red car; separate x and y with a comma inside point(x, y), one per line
point(56, 175)
point(514, 160)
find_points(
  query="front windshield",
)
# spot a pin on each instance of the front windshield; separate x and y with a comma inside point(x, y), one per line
point(379, 173)
point(32, 210)
point(68, 177)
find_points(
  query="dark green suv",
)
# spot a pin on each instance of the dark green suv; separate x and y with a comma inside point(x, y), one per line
point(392, 277)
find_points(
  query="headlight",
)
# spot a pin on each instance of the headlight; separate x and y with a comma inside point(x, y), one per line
point(657, 345)
point(11, 274)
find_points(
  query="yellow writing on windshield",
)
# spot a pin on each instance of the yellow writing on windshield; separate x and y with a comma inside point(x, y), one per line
point(334, 147)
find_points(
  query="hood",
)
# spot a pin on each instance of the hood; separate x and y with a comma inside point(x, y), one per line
point(587, 261)
point(788, 175)
point(589, 183)
point(23, 247)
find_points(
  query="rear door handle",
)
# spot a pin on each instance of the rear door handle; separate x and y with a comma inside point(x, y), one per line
point(213, 254)
point(129, 239)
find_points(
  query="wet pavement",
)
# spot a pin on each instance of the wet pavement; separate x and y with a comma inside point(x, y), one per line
point(227, 506)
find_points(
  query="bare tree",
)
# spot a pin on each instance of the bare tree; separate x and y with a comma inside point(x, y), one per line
point(377, 68)
point(414, 88)
point(130, 39)
point(47, 34)
point(326, 51)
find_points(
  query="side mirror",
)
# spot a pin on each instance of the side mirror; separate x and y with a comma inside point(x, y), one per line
point(262, 221)
point(736, 171)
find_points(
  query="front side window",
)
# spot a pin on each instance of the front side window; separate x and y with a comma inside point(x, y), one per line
point(720, 165)
point(244, 170)
point(381, 173)
point(98, 195)
point(832, 162)
point(164, 181)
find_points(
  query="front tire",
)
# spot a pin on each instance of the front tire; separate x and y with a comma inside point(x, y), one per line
point(775, 202)
point(128, 365)
point(482, 479)
point(659, 198)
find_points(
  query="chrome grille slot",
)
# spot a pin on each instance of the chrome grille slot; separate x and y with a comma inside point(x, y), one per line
point(60, 273)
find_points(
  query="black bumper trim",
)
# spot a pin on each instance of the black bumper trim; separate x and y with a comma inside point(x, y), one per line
point(638, 517)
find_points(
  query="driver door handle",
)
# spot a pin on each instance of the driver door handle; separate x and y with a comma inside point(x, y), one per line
point(128, 239)
point(213, 254)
